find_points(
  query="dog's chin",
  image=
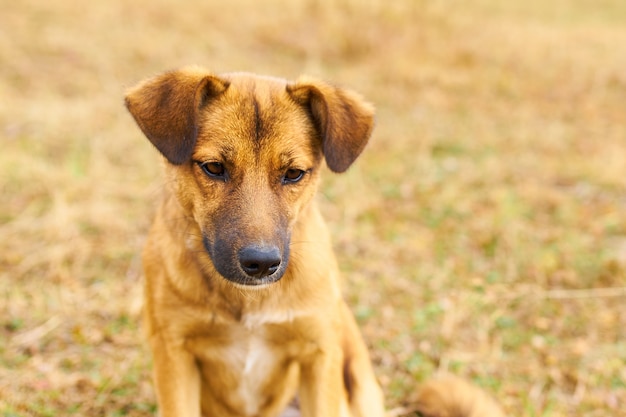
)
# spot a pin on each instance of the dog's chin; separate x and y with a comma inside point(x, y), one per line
point(256, 283)
point(247, 282)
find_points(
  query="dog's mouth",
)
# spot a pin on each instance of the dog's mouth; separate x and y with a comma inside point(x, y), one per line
point(253, 265)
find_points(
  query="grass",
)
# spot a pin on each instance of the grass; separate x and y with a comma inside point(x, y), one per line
point(482, 232)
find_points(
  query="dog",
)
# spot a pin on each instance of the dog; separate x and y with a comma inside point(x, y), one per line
point(242, 299)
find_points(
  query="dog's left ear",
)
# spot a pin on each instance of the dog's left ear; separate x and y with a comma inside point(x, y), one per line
point(343, 119)
point(166, 109)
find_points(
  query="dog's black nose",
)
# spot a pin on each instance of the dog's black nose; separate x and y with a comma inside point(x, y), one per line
point(259, 262)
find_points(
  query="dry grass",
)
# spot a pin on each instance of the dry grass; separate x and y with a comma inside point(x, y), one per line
point(483, 232)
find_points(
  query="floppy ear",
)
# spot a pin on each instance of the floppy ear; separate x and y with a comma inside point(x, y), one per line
point(166, 109)
point(343, 119)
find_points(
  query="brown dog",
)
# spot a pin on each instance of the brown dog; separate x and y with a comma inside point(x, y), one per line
point(243, 306)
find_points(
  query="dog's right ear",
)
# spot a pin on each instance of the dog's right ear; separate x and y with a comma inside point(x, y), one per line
point(166, 109)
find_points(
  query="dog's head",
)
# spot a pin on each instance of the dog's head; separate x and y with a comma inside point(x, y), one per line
point(243, 155)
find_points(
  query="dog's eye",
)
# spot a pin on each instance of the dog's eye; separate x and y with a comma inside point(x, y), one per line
point(214, 169)
point(293, 176)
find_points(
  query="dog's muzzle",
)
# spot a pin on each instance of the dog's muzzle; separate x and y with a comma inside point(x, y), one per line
point(251, 265)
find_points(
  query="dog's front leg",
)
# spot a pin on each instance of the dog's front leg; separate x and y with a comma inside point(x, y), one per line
point(176, 379)
point(321, 386)
point(366, 397)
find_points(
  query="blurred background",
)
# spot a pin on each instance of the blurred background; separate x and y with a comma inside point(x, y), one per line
point(482, 232)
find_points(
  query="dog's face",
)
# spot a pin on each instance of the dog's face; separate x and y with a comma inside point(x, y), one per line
point(243, 157)
point(255, 165)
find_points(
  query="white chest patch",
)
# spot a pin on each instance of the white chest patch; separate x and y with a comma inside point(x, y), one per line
point(251, 359)
point(258, 363)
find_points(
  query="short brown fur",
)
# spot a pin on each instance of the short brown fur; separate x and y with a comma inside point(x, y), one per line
point(234, 334)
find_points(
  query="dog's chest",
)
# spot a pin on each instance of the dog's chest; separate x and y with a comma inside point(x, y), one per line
point(254, 360)
point(251, 365)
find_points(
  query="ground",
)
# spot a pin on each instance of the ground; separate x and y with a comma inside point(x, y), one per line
point(482, 232)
